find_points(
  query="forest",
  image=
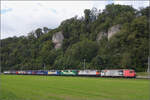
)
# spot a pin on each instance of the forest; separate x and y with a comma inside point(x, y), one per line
point(81, 48)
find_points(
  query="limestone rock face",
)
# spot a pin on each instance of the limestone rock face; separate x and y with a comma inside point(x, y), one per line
point(113, 30)
point(57, 39)
point(101, 34)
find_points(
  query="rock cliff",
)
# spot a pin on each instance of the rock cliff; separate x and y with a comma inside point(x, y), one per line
point(111, 31)
point(101, 34)
point(57, 39)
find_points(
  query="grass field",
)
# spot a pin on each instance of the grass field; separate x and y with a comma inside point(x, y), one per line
point(13, 87)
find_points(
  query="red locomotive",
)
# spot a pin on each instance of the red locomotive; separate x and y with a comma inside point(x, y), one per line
point(118, 73)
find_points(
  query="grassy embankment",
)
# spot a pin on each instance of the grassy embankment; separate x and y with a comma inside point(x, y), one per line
point(13, 87)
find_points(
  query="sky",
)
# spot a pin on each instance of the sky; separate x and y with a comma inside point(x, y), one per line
point(18, 18)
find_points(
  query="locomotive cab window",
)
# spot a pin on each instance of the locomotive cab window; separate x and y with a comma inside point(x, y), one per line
point(131, 71)
point(121, 72)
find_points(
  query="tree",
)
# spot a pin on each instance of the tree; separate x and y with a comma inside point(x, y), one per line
point(83, 50)
point(45, 29)
point(87, 15)
point(128, 48)
point(126, 60)
point(38, 32)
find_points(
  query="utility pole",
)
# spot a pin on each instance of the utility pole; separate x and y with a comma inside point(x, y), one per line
point(148, 69)
point(84, 63)
point(44, 66)
point(0, 67)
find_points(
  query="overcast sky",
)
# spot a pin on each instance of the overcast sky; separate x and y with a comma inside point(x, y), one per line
point(21, 17)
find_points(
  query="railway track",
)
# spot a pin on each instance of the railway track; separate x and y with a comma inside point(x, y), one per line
point(143, 77)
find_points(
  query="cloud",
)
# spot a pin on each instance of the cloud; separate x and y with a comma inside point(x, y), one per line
point(21, 17)
point(27, 16)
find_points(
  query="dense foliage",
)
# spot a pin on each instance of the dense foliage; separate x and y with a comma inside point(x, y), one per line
point(128, 48)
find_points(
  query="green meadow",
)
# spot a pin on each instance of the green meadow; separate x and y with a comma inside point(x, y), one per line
point(19, 87)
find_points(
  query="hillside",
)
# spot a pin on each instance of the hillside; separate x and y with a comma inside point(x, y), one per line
point(117, 37)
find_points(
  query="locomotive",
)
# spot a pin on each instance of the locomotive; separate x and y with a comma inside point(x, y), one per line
point(127, 73)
